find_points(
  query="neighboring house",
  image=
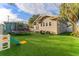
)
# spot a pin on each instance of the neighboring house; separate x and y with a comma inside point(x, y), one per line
point(11, 27)
point(1, 29)
point(52, 24)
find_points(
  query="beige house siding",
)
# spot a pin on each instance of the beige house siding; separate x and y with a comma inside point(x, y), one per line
point(36, 27)
point(52, 28)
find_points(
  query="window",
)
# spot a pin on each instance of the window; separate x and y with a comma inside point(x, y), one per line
point(43, 24)
point(34, 23)
point(37, 27)
point(46, 24)
point(49, 23)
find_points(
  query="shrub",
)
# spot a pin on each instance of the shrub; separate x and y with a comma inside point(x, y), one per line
point(47, 32)
point(42, 32)
point(75, 34)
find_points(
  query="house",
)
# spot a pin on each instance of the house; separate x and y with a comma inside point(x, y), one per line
point(1, 29)
point(9, 26)
point(17, 26)
point(51, 24)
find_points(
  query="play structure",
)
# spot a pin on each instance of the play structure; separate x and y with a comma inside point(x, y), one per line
point(7, 39)
point(17, 42)
point(4, 42)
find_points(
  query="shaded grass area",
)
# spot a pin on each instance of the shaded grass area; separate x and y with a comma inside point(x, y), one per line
point(44, 45)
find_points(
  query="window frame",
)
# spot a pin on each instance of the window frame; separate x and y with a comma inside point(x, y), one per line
point(50, 23)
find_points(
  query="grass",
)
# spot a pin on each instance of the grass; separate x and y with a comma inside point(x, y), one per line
point(44, 45)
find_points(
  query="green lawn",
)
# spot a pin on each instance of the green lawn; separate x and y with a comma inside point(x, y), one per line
point(44, 45)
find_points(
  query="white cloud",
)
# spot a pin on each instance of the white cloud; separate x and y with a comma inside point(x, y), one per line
point(38, 8)
point(4, 15)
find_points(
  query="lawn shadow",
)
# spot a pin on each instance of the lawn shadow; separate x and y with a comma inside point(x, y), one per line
point(66, 34)
point(21, 34)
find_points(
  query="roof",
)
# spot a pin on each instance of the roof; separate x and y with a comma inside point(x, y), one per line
point(41, 18)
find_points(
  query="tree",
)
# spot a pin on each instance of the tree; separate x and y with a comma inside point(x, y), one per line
point(70, 12)
point(32, 19)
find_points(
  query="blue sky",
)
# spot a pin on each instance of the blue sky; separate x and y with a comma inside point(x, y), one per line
point(25, 11)
point(15, 10)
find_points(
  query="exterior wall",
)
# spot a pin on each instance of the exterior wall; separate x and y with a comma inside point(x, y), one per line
point(69, 29)
point(62, 27)
point(36, 27)
point(1, 29)
point(9, 27)
point(51, 29)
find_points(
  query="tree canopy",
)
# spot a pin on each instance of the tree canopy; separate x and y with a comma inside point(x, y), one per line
point(70, 12)
point(32, 19)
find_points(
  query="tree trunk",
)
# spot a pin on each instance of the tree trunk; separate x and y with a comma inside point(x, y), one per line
point(75, 31)
point(74, 28)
